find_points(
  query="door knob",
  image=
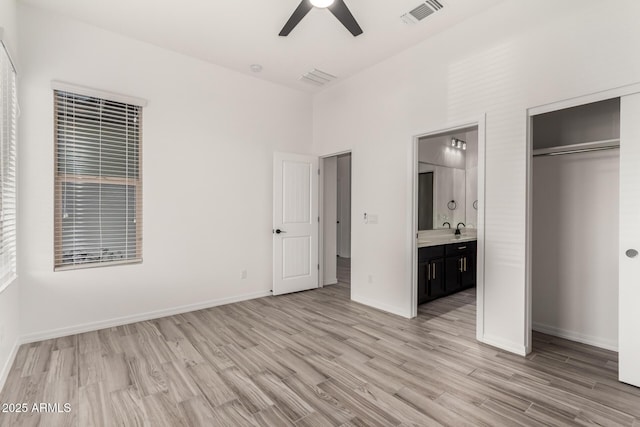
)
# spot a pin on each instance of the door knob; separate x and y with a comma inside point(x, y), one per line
point(631, 253)
point(278, 231)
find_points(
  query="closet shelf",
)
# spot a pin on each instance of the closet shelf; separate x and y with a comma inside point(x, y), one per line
point(578, 148)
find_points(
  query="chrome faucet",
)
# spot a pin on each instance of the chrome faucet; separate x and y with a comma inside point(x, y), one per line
point(457, 233)
point(448, 223)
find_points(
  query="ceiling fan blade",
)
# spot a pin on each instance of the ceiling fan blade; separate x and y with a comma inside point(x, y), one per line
point(301, 11)
point(341, 11)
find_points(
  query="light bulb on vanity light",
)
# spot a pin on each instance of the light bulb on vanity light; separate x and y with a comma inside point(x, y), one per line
point(464, 145)
point(453, 142)
point(321, 4)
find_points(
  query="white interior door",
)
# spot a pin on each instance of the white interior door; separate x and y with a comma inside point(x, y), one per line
point(295, 223)
point(629, 288)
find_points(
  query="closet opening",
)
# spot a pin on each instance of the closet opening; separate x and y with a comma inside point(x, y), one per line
point(575, 206)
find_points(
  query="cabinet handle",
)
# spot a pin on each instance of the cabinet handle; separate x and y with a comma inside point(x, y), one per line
point(429, 272)
point(465, 263)
point(461, 247)
point(460, 265)
point(434, 271)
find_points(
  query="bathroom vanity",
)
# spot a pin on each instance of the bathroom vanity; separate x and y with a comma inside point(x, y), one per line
point(445, 266)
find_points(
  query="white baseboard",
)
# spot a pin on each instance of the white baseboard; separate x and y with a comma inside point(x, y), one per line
point(576, 336)
point(505, 345)
point(4, 373)
point(331, 281)
point(119, 321)
point(380, 306)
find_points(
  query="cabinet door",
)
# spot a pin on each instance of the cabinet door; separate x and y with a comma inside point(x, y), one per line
point(454, 269)
point(468, 274)
point(422, 282)
point(436, 284)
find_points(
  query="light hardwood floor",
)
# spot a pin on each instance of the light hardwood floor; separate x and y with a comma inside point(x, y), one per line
point(314, 359)
point(343, 270)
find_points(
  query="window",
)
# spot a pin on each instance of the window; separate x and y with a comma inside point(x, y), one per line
point(98, 185)
point(8, 128)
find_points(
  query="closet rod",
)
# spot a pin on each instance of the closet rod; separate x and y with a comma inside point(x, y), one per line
point(578, 148)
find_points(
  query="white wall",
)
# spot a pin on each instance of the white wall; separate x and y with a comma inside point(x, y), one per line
point(9, 297)
point(575, 247)
point(515, 56)
point(208, 140)
point(344, 206)
point(330, 216)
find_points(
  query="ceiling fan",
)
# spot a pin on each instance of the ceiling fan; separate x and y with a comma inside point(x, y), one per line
point(337, 7)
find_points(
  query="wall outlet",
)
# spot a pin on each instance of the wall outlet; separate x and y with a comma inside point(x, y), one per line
point(243, 274)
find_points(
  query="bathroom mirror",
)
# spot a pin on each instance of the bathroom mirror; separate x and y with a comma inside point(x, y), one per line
point(447, 180)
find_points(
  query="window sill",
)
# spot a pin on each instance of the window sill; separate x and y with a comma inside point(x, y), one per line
point(96, 265)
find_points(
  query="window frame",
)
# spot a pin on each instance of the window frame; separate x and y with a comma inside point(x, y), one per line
point(9, 276)
point(61, 179)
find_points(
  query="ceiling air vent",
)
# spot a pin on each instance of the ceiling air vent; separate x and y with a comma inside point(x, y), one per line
point(419, 13)
point(317, 77)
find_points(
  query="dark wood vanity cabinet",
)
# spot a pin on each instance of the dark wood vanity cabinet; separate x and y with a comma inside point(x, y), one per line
point(445, 269)
point(431, 277)
point(460, 266)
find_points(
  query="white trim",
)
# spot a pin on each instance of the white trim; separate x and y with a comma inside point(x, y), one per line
point(576, 336)
point(339, 153)
point(119, 321)
point(480, 251)
point(528, 236)
point(480, 124)
point(381, 306)
point(97, 93)
point(413, 213)
point(585, 99)
point(4, 373)
point(321, 223)
point(505, 345)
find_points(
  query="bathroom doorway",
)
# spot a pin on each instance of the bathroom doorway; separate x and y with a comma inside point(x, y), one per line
point(448, 216)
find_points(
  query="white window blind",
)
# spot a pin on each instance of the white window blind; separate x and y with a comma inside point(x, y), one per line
point(8, 141)
point(98, 186)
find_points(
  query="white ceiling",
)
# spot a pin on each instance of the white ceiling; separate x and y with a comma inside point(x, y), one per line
point(235, 33)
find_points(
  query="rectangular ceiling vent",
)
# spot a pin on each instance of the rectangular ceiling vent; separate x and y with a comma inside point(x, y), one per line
point(317, 77)
point(419, 13)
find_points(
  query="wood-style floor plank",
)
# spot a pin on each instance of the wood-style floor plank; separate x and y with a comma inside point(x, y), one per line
point(315, 359)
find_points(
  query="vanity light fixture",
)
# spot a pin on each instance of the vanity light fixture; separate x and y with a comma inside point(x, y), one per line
point(458, 143)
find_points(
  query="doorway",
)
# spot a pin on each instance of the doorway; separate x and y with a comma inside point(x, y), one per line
point(336, 219)
point(448, 194)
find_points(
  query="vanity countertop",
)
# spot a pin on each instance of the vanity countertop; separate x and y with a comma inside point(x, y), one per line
point(444, 237)
point(424, 242)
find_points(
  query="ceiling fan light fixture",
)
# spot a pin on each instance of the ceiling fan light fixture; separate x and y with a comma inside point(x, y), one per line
point(321, 4)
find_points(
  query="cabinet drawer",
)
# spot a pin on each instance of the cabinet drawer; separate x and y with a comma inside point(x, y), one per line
point(459, 248)
point(429, 252)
